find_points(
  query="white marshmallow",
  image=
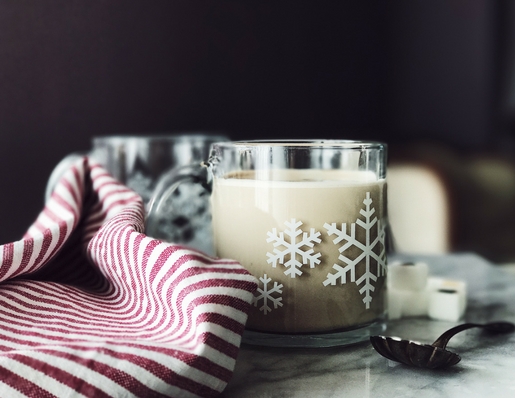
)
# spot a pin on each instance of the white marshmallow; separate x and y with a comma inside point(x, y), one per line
point(447, 299)
point(404, 303)
point(411, 293)
point(415, 303)
point(395, 302)
point(408, 276)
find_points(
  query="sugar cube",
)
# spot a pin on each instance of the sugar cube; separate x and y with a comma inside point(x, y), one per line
point(408, 276)
point(447, 299)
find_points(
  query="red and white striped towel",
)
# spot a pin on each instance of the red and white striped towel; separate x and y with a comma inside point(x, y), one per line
point(90, 306)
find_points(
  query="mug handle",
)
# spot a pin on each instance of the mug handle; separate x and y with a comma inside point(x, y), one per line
point(167, 186)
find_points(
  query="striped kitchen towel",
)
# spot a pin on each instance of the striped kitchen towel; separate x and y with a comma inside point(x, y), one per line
point(92, 307)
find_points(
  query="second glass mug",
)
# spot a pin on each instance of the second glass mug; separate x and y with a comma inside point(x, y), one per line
point(308, 220)
point(141, 162)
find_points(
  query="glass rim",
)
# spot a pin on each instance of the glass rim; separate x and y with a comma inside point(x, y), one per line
point(304, 143)
point(172, 136)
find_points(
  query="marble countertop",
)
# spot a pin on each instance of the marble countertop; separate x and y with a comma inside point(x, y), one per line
point(487, 367)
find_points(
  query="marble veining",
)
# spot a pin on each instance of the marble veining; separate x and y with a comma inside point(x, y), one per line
point(487, 367)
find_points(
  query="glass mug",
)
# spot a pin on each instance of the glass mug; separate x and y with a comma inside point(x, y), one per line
point(140, 162)
point(308, 220)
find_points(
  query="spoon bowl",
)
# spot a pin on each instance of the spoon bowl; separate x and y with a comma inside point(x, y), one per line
point(431, 356)
point(413, 353)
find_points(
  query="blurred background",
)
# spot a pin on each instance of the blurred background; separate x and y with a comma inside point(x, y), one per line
point(435, 79)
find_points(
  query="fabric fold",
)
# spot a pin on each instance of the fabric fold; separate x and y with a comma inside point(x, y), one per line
point(90, 306)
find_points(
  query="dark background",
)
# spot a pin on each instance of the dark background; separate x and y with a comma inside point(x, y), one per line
point(396, 71)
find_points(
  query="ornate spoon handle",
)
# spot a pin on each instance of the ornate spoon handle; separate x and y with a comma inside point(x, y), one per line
point(494, 327)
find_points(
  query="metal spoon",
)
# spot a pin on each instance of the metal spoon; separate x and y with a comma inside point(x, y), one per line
point(432, 356)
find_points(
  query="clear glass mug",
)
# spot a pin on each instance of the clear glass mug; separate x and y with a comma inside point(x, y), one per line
point(308, 220)
point(141, 162)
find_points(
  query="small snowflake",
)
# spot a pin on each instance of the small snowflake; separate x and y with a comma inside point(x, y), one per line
point(367, 252)
point(293, 249)
point(266, 293)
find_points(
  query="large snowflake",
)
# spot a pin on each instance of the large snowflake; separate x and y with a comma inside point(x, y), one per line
point(266, 294)
point(298, 252)
point(372, 251)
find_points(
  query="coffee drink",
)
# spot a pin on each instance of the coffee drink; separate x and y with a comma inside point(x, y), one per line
point(315, 240)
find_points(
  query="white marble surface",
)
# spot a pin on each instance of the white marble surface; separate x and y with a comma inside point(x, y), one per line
point(487, 368)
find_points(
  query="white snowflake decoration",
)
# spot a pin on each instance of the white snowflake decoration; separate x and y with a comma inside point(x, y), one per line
point(294, 248)
point(367, 248)
point(142, 184)
point(266, 294)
